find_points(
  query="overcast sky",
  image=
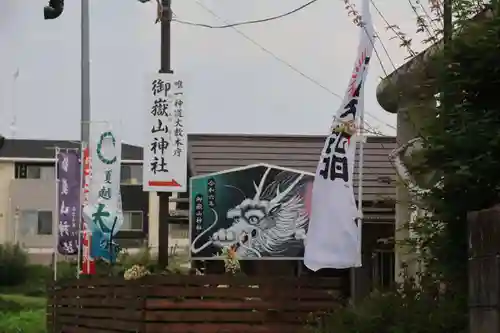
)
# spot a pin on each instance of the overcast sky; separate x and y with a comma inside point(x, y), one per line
point(233, 85)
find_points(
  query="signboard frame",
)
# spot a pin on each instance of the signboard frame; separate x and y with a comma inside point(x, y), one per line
point(165, 160)
point(307, 176)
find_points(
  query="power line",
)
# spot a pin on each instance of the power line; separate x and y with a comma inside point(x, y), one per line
point(432, 21)
point(406, 43)
point(284, 62)
point(421, 22)
point(266, 50)
point(232, 25)
point(386, 51)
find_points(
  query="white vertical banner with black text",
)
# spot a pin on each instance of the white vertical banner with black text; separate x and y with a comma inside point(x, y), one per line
point(165, 145)
point(334, 234)
point(103, 213)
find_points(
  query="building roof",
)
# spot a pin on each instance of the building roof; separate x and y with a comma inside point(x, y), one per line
point(210, 153)
point(214, 153)
point(16, 148)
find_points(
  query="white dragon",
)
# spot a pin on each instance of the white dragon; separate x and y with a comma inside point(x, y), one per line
point(272, 223)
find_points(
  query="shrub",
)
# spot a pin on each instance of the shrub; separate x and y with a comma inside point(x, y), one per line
point(67, 270)
point(27, 321)
point(423, 307)
point(143, 258)
point(21, 314)
point(13, 265)
point(7, 305)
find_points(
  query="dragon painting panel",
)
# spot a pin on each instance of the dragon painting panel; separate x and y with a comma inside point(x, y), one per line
point(260, 211)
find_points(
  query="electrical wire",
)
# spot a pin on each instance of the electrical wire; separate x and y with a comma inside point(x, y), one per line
point(269, 52)
point(393, 28)
point(432, 21)
point(232, 25)
point(424, 23)
point(377, 35)
point(284, 62)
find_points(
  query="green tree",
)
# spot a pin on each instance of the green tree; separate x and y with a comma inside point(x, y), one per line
point(461, 146)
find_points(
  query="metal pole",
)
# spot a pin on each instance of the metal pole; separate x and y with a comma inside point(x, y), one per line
point(80, 226)
point(355, 295)
point(85, 71)
point(84, 101)
point(165, 67)
point(16, 226)
point(55, 226)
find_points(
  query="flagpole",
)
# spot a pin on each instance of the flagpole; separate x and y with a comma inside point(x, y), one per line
point(80, 238)
point(55, 226)
point(360, 176)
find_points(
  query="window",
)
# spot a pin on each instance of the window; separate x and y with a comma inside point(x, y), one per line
point(40, 172)
point(132, 221)
point(34, 222)
point(183, 205)
point(383, 269)
point(131, 174)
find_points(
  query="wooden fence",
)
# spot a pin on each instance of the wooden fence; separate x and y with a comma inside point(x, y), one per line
point(484, 271)
point(191, 304)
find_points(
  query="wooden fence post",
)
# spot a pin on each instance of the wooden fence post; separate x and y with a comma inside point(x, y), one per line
point(484, 271)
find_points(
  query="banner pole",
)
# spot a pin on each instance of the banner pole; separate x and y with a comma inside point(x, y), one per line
point(361, 138)
point(79, 253)
point(360, 179)
point(55, 227)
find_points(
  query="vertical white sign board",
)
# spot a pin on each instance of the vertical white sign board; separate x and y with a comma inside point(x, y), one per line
point(165, 145)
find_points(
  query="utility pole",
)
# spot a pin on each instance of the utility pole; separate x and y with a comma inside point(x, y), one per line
point(165, 68)
point(447, 37)
point(447, 22)
point(54, 10)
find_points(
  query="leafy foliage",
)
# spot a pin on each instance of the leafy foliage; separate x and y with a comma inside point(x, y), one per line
point(461, 145)
point(425, 307)
point(13, 265)
point(22, 314)
point(25, 321)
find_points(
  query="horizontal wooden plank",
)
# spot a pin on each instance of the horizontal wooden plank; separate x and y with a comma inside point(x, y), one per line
point(229, 317)
point(98, 323)
point(281, 282)
point(201, 151)
point(95, 281)
point(286, 141)
point(290, 162)
point(223, 328)
point(242, 292)
point(122, 314)
point(192, 304)
point(277, 154)
point(98, 302)
point(259, 143)
point(109, 291)
point(77, 329)
point(380, 169)
point(100, 284)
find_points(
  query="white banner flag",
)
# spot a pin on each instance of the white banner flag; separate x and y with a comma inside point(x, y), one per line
point(334, 236)
point(103, 213)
